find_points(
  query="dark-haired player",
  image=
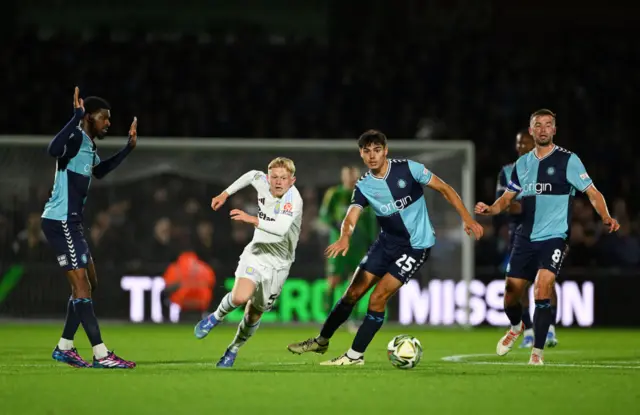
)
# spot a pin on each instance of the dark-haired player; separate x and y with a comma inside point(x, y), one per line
point(77, 161)
point(546, 179)
point(524, 144)
point(394, 190)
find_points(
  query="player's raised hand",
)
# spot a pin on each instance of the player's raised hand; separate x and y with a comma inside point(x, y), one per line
point(482, 209)
point(611, 223)
point(133, 133)
point(242, 216)
point(77, 101)
point(473, 227)
point(341, 246)
point(219, 200)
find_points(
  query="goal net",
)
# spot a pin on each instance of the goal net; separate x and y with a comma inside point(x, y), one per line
point(176, 178)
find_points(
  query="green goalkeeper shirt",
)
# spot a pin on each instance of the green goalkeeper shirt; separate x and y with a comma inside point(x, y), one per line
point(334, 207)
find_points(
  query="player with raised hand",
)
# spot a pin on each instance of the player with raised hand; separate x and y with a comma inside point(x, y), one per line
point(394, 189)
point(265, 262)
point(75, 149)
point(546, 180)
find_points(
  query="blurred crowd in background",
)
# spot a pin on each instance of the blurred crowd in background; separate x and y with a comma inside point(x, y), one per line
point(470, 86)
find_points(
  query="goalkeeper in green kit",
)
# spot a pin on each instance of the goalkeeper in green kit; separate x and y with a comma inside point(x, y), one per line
point(335, 203)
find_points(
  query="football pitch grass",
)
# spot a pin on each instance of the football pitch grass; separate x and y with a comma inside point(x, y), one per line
point(590, 372)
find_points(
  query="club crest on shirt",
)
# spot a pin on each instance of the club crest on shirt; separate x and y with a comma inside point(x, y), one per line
point(276, 208)
point(402, 184)
point(551, 171)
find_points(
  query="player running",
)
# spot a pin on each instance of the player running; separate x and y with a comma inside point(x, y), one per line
point(77, 160)
point(524, 144)
point(335, 204)
point(546, 179)
point(394, 190)
point(265, 262)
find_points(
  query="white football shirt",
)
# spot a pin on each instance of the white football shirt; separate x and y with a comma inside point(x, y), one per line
point(280, 219)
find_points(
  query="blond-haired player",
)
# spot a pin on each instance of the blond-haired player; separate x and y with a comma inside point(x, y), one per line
point(265, 262)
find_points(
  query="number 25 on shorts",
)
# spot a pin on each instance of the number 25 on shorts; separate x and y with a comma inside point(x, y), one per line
point(408, 263)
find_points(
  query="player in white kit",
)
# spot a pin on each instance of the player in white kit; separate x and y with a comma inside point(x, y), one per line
point(265, 262)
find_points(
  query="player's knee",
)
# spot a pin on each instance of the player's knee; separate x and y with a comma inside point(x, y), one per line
point(354, 293)
point(80, 286)
point(544, 285)
point(252, 315)
point(513, 291)
point(239, 298)
point(378, 301)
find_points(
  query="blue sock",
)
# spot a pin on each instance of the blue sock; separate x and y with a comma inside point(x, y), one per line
point(84, 310)
point(338, 315)
point(71, 322)
point(372, 323)
point(541, 322)
point(526, 318)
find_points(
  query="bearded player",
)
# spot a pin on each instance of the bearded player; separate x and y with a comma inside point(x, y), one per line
point(546, 179)
point(524, 144)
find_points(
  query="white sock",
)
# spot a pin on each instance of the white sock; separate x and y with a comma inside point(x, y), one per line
point(65, 344)
point(536, 351)
point(226, 306)
point(517, 327)
point(528, 332)
point(100, 351)
point(353, 355)
point(245, 331)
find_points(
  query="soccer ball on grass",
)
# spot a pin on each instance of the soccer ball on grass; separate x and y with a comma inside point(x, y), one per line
point(404, 351)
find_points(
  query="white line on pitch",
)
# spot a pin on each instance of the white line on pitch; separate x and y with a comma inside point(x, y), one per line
point(463, 358)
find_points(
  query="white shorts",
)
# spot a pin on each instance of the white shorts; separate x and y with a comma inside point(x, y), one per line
point(269, 281)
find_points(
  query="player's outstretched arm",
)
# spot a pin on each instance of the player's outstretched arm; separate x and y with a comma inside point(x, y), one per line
point(341, 246)
point(107, 166)
point(451, 196)
point(600, 205)
point(498, 206)
point(61, 145)
point(243, 181)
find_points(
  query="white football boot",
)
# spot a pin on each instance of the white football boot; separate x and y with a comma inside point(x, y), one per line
point(508, 340)
point(343, 360)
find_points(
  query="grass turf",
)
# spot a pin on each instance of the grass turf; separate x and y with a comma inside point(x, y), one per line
point(590, 372)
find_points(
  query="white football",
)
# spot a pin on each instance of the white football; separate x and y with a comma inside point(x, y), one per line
point(404, 351)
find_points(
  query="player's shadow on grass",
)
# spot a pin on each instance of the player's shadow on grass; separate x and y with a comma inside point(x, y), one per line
point(169, 362)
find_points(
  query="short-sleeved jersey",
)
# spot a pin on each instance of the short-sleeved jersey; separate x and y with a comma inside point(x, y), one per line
point(503, 180)
point(399, 203)
point(72, 179)
point(280, 220)
point(547, 187)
